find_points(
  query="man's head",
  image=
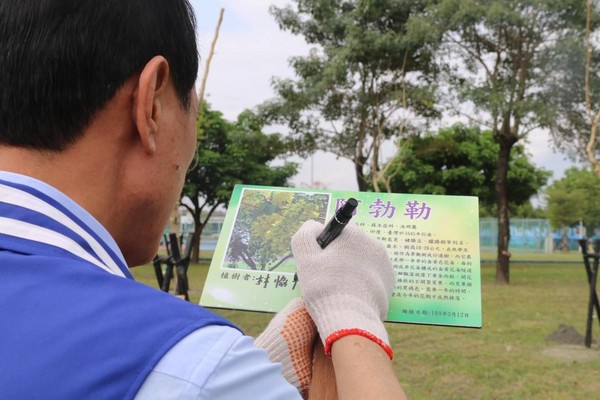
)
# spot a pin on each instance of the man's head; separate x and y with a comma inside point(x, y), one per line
point(62, 60)
point(97, 99)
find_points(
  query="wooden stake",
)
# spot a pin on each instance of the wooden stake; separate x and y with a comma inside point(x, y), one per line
point(322, 386)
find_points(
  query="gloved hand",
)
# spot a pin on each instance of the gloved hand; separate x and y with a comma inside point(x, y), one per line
point(347, 285)
point(289, 340)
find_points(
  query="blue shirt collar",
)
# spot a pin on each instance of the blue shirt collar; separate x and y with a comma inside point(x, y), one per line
point(35, 213)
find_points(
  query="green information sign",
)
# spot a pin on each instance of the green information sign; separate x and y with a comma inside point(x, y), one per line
point(433, 243)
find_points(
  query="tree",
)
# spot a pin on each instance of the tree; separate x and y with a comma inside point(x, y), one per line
point(575, 94)
point(366, 74)
point(462, 161)
point(564, 210)
point(265, 222)
point(230, 154)
point(574, 198)
point(496, 56)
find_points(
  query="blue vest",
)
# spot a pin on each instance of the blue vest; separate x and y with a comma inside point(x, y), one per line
point(68, 328)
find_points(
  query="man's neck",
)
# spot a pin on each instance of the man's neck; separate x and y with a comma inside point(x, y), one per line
point(87, 182)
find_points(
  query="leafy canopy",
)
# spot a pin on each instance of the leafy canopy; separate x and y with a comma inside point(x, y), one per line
point(265, 222)
point(462, 160)
point(366, 72)
point(234, 153)
point(230, 154)
point(573, 198)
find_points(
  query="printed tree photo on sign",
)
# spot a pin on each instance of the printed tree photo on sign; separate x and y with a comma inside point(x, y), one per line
point(264, 225)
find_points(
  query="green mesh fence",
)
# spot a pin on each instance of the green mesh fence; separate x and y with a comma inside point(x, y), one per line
point(526, 235)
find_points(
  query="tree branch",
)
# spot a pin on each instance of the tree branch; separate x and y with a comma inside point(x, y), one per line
point(280, 262)
point(473, 54)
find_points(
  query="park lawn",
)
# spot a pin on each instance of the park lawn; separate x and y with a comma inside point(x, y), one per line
point(557, 256)
point(509, 358)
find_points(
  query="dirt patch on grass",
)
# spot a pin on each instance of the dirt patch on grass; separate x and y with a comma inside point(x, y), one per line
point(566, 334)
point(571, 346)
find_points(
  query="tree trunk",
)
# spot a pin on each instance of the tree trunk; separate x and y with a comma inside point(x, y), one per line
point(565, 239)
point(196, 239)
point(196, 212)
point(199, 226)
point(503, 258)
point(363, 185)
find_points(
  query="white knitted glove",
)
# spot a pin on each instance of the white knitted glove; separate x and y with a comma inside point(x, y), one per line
point(347, 285)
point(289, 340)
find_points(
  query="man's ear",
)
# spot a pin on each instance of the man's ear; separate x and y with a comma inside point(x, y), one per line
point(147, 100)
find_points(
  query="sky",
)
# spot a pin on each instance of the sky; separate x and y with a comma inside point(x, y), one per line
point(251, 50)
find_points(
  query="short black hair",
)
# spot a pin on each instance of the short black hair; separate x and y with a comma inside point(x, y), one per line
point(61, 61)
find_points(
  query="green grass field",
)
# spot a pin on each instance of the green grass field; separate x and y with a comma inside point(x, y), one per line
point(509, 358)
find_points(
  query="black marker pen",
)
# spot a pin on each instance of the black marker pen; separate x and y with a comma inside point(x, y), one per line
point(337, 223)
